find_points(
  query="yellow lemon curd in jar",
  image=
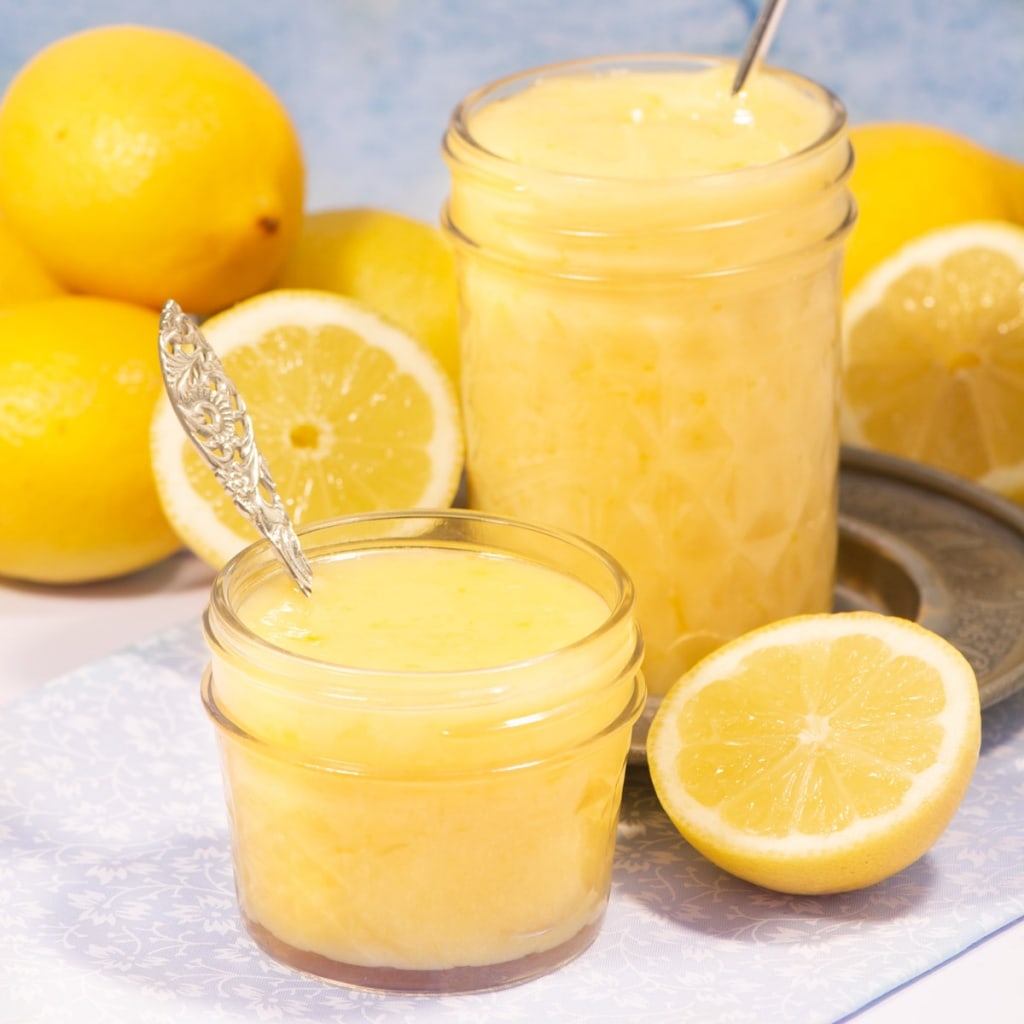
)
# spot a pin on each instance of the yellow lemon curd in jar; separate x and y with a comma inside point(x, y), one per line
point(442, 735)
point(649, 273)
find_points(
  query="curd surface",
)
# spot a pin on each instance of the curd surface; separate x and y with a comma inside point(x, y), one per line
point(650, 124)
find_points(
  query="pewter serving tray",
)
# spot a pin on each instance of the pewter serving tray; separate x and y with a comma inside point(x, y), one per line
point(925, 545)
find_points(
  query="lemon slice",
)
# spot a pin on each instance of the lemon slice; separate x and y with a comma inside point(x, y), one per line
point(351, 414)
point(934, 354)
point(819, 754)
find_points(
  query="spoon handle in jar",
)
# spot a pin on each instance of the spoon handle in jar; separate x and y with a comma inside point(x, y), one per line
point(760, 39)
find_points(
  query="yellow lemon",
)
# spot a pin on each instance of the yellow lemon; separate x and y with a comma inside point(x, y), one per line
point(909, 179)
point(140, 164)
point(820, 754)
point(22, 277)
point(351, 414)
point(399, 267)
point(933, 353)
point(78, 381)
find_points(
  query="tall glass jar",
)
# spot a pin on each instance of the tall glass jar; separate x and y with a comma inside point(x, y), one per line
point(650, 347)
point(411, 807)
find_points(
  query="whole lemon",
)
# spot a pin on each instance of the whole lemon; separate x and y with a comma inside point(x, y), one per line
point(79, 378)
point(22, 277)
point(401, 268)
point(142, 164)
point(909, 179)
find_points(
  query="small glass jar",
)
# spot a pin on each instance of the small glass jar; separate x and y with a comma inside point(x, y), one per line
point(423, 830)
point(651, 360)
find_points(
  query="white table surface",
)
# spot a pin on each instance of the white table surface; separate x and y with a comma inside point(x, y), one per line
point(46, 632)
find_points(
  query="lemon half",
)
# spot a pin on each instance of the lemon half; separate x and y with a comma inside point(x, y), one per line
point(819, 754)
point(351, 414)
point(933, 354)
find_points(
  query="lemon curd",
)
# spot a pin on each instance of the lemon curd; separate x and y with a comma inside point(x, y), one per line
point(649, 275)
point(424, 760)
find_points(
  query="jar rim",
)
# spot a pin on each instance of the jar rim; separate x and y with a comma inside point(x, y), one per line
point(459, 127)
point(226, 631)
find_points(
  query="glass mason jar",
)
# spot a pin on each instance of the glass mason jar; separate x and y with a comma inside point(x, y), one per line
point(651, 359)
point(434, 829)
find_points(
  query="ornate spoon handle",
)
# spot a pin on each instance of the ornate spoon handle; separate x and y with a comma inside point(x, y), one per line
point(214, 416)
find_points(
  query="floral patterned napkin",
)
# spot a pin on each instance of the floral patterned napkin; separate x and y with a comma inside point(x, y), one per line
point(117, 901)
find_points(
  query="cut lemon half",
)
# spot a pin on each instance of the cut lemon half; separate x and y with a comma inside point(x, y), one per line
point(819, 754)
point(351, 414)
point(933, 354)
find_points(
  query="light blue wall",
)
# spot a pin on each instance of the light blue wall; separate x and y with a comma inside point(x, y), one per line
point(370, 82)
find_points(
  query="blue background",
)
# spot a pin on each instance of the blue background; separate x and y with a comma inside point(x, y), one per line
point(370, 83)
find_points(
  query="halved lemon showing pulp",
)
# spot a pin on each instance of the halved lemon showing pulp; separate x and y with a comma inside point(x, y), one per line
point(819, 754)
point(351, 414)
point(933, 355)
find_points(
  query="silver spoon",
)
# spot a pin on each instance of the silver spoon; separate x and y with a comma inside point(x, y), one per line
point(761, 36)
point(214, 416)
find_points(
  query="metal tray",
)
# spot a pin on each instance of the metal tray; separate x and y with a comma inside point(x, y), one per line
point(925, 545)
